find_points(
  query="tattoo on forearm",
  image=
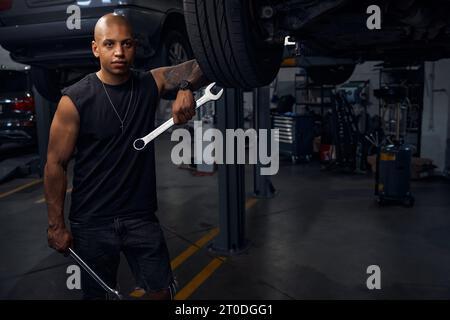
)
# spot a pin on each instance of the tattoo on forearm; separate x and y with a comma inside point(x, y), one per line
point(188, 70)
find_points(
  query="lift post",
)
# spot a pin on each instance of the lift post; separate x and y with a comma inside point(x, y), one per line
point(231, 239)
point(262, 185)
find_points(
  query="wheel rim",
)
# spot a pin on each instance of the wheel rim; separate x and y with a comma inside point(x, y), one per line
point(176, 54)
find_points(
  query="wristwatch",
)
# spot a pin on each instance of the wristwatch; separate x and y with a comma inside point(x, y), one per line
point(185, 85)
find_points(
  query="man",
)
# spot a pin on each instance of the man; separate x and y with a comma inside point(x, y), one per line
point(114, 190)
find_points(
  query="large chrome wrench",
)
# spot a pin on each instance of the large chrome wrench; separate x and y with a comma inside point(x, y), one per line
point(140, 143)
point(94, 276)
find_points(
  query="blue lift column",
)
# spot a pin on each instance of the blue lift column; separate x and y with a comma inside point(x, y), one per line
point(262, 185)
point(231, 239)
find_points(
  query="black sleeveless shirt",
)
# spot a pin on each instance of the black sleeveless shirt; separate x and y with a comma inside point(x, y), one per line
point(111, 178)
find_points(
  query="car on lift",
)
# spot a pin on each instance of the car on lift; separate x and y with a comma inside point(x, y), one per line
point(17, 111)
point(239, 43)
point(36, 33)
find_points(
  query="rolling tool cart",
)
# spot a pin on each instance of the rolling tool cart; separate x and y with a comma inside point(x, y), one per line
point(295, 135)
point(392, 182)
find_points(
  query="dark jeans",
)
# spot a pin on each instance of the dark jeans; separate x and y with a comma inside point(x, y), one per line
point(142, 242)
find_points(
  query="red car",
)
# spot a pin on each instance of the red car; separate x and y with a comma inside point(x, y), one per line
point(17, 113)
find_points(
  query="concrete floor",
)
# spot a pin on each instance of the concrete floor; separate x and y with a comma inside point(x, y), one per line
point(315, 239)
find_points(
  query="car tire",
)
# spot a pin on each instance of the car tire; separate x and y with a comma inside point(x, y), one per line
point(330, 75)
point(174, 49)
point(46, 82)
point(228, 45)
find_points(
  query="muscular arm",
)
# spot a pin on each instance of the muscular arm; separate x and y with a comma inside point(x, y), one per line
point(168, 78)
point(63, 135)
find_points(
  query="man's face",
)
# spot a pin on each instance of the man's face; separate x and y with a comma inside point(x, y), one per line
point(115, 48)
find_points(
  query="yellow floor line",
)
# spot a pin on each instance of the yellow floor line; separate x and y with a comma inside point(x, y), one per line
point(175, 263)
point(30, 184)
point(193, 248)
point(137, 293)
point(205, 273)
point(204, 240)
point(199, 279)
point(43, 199)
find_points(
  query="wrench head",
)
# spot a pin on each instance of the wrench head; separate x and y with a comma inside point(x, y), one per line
point(139, 144)
point(210, 94)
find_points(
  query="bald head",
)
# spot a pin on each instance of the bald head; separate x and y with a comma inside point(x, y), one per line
point(109, 21)
point(114, 45)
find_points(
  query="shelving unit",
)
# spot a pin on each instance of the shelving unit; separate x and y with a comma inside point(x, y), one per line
point(411, 79)
point(311, 95)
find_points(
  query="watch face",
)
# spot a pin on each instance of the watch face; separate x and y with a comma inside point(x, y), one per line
point(184, 84)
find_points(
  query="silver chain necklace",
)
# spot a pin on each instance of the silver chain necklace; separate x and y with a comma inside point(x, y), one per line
point(112, 105)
